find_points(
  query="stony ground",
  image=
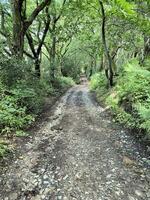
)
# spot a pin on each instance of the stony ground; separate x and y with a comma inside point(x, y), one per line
point(77, 154)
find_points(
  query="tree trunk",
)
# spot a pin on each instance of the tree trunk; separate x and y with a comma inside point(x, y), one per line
point(21, 24)
point(53, 61)
point(37, 68)
point(146, 47)
point(110, 75)
point(18, 30)
point(101, 63)
point(60, 69)
point(53, 53)
point(37, 52)
point(2, 18)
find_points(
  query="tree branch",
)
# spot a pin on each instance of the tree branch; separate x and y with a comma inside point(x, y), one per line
point(46, 55)
point(28, 54)
point(7, 52)
point(30, 41)
point(57, 18)
point(44, 33)
point(34, 14)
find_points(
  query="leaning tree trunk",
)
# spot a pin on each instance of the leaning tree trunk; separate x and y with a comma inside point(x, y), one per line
point(109, 71)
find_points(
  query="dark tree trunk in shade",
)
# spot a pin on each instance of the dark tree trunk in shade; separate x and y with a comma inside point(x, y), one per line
point(18, 28)
point(109, 72)
point(21, 23)
point(53, 52)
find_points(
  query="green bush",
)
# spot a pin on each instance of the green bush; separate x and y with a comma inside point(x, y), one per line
point(2, 89)
point(3, 148)
point(71, 69)
point(45, 88)
point(13, 70)
point(12, 116)
point(21, 95)
point(19, 105)
point(64, 82)
point(30, 97)
point(131, 102)
point(98, 81)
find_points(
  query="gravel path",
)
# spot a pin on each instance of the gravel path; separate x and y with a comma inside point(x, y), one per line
point(78, 154)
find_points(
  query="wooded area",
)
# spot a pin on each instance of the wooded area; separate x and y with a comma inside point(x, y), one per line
point(45, 45)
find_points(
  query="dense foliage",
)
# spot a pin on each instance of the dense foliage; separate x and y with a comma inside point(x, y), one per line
point(130, 98)
point(123, 78)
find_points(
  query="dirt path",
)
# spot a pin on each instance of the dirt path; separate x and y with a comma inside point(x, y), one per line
point(78, 154)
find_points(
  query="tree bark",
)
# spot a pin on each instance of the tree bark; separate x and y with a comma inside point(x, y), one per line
point(37, 67)
point(146, 47)
point(34, 14)
point(18, 30)
point(110, 74)
point(21, 24)
point(2, 17)
point(37, 52)
point(53, 51)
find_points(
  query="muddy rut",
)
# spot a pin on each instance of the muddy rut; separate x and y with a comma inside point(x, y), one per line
point(78, 153)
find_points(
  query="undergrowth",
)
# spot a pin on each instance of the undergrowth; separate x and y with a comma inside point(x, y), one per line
point(64, 82)
point(4, 148)
point(22, 96)
point(130, 98)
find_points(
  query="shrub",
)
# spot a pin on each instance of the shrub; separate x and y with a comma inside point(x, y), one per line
point(21, 95)
point(98, 81)
point(132, 100)
point(144, 113)
point(12, 116)
point(2, 89)
point(45, 88)
point(64, 82)
point(13, 69)
point(30, 97)
point(71, 69)
point(3, 148)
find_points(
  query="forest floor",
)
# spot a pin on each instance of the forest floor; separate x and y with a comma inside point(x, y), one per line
point(77, 153)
